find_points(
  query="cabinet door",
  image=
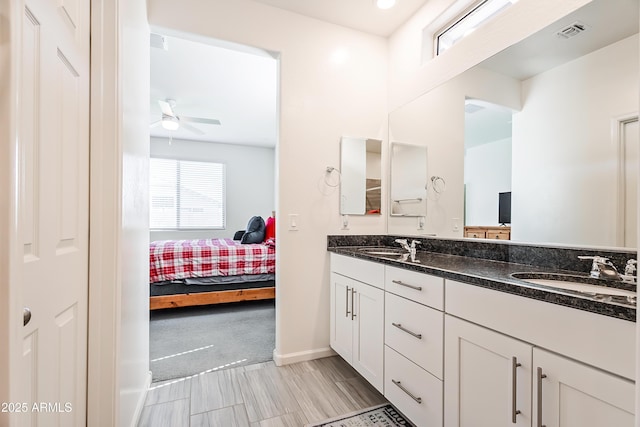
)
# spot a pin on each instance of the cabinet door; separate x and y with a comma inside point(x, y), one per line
point(487, 377)
point(368, 335)
point(577, 395)
point(341, 311)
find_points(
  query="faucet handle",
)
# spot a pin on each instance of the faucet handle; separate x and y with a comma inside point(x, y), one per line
point(403, 243)
point(631, 268)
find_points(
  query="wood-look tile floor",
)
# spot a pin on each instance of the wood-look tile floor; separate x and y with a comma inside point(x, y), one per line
point(261, 395)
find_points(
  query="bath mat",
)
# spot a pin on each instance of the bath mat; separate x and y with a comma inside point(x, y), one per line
point(380, 415)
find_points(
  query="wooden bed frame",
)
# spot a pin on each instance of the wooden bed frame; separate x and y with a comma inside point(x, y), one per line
point(214, 297)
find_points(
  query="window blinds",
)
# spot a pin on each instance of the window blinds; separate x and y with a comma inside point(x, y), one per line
point(186, 194)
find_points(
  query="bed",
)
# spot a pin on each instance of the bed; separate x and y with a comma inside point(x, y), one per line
point(210, 271)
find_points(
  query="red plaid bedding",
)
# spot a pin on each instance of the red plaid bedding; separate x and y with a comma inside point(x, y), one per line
point(181, 259)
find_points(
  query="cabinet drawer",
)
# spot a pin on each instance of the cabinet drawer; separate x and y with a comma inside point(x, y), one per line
point(363, 271)
point(411, 389)
point(419, 287)
point(498, 235)
point(404, 320)
point(476, 234)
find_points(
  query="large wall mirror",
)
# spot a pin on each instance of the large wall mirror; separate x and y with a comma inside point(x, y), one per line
point(552, 120)
point(361, 176)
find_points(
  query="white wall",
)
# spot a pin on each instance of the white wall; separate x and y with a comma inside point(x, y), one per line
point(133, 359)
point(487, 172)
point(118, 366)
point(250, 182)
point(577, 131)
point(332, 82)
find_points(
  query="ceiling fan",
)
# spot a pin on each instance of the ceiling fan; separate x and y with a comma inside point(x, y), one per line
point(171, 121)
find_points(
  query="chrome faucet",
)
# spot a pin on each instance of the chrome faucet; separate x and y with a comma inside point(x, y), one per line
point(404, 244)
point(410, 248)
point(602, 268)
point(630, 275)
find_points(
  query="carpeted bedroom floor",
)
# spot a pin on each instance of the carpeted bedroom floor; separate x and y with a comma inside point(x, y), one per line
point(192, 340)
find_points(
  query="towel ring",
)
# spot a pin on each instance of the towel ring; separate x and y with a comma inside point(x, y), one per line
point(328, 171)
point(438, 183)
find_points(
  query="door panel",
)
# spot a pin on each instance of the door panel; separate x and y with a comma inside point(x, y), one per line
point(341, 323)
point(52, 208)
point(368, 341)
point(577, 395)
point(480, 386)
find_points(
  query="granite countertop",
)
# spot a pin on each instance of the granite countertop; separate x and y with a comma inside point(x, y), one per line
point(496, 275)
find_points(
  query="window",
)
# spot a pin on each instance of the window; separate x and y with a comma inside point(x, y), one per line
point(464, 25)
point(186, 195)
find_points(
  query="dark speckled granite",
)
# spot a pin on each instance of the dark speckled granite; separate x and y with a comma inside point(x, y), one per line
point(490, 265)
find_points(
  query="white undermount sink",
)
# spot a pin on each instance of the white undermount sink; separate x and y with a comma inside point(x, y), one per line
point(577, 284)
point(382, 251)
point(580, 287)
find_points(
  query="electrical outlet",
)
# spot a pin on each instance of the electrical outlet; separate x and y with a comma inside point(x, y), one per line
point(456, 225)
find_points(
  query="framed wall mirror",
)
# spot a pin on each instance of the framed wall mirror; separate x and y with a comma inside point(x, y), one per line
point(361, 176)
point(570, 162)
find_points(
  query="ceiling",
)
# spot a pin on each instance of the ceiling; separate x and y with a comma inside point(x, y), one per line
point(238, 85)
point(362, 15)
point(605, 22)
point(216, 81)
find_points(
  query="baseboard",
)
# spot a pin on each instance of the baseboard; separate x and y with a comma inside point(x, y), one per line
point(289, 358)
point(143, 398)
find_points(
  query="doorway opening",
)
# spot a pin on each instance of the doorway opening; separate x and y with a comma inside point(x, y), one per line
point(213, 144)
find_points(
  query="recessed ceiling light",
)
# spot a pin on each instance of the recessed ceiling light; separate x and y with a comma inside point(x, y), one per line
point(385, 4)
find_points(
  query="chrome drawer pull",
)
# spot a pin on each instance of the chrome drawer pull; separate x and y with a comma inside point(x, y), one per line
point(353, 297)
point(347, 304)
point(514, 386)
point(401, 283)
point(402, 328)
point(539, 409)
point(417, 399)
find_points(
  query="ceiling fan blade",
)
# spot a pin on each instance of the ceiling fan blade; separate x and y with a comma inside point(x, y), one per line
point(156, 123)
point(199, 120)
point(191, 128)
point(166, 108)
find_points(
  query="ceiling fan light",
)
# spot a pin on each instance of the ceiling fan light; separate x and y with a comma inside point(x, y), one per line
point(385, 4)
point(170, 123)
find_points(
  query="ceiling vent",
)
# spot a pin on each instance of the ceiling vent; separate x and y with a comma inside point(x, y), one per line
point(159, 41)
point(572, 30)
point(472, 108)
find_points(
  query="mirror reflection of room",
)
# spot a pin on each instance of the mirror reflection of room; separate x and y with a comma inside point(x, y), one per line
point(408, 180)
point(487, 170)
point(573, 155)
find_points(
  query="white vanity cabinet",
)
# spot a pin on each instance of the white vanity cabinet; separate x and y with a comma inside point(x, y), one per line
point(574, 359)
point(571, 394)
point(488, 377)
point(414, 344)
point(357, 315)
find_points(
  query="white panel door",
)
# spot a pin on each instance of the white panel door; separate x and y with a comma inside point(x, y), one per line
point(487, 377)
point(52, 208)
point(577, 395)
